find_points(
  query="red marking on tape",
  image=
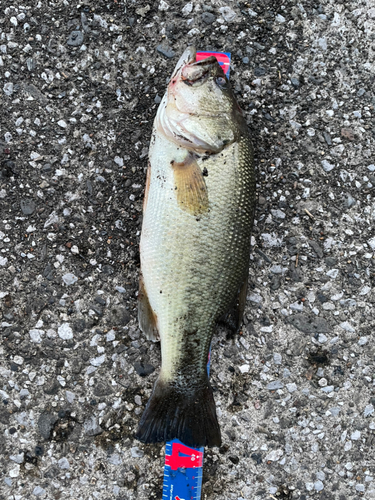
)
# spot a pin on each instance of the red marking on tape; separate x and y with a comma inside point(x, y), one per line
point(183, 456)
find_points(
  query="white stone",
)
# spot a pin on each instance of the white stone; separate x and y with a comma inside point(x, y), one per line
point(244, 368)
point(355, 436)
point(115, 459)
point(318, 486)
point(280, 19)
point(163, 5)
point(345, 325)
point(18, 360)
point(296, 306)
point(36, 335)
point(267, 329)
point(277, 359)
point(291, 387)
point(274, 455)
point(119, 161)
point(327, 167)
point(271, 240)
point(333, 273)
point(69, 279)
point(136, 452)
point(15, 471)
point(187, 9)
point(65, 332)
point(371, 242)
point(254, 297)
point(322, 42)
point(38, 491)
point(18, 458)
point(63, 463)
point(70, 396)
point(62, 124)
point(8, 88)
point(97, 361)
point(369, 410)
point(110, 336)
point(227, 13)
point(193, 32)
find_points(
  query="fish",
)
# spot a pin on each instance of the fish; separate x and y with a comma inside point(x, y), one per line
point(198, 214)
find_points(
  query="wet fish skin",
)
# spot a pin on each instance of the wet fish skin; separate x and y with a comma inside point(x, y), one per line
point(195, 243)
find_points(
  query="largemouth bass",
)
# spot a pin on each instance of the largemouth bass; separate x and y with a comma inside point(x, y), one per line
point(195, 243)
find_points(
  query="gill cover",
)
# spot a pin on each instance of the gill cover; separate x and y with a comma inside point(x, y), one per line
point(199, 111)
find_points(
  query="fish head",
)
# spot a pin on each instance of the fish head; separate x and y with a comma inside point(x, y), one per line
point(199, 110)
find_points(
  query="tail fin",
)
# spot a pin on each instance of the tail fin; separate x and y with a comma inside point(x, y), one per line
point(188, 415)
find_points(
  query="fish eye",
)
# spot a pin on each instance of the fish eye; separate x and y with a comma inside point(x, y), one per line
point(221, 82)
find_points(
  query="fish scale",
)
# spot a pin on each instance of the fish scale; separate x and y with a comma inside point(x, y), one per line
point(195, 245)
point(225, 235)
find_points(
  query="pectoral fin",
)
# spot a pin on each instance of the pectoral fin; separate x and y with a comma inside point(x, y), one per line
point(190, 187)
point(146, 317)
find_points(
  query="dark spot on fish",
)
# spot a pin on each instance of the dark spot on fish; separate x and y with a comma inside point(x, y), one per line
point(161, 291)
point(205, 172)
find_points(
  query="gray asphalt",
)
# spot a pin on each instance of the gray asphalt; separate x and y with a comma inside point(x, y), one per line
point(79, 87)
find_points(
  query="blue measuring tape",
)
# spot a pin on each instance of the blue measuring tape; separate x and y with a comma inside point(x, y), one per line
point(183, 469)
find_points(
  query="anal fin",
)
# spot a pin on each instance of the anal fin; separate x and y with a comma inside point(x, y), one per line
point(146, 317)
point(190, 187)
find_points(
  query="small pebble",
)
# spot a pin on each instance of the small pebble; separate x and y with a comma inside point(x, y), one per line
point(208, 17)
point(295, 82)
point(65, 332)
point(276, 384)
point(63, 463)
point(136, 452)
point(69, 279)
point(75, 39)
point(165, 51)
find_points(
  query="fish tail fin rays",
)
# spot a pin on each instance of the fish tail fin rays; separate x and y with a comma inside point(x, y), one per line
point(173, 412)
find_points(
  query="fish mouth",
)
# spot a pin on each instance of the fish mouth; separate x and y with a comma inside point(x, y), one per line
point(191, 70)
point(197, 71)
point(188, 57)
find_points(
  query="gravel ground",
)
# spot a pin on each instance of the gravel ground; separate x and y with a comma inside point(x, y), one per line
point(295, 392)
